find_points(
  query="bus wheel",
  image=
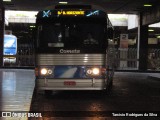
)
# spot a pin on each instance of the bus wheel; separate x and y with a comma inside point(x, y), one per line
point(48, 92)
point(109, 87)
point(107, 91)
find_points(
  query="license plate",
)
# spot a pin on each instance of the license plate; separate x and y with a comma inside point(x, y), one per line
point(70, 83)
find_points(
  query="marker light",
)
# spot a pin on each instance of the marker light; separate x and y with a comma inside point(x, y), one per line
point(43, 71)
point(36, 71)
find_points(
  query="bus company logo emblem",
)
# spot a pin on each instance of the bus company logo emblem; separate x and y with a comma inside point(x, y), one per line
point(46, 13)
point(70, 12)
point(93, 13)
point(6, 114)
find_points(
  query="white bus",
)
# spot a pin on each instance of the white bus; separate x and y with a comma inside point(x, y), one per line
point(72, 50)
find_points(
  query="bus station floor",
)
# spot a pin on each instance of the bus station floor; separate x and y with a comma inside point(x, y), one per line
point(17, 86)
point(16, 90)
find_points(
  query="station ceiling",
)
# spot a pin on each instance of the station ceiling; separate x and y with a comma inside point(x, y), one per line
point(111, 6)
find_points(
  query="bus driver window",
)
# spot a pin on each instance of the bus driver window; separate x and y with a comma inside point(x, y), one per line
point(56, 39)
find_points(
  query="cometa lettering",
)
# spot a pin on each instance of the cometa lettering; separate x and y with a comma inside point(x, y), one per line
point(69, 51)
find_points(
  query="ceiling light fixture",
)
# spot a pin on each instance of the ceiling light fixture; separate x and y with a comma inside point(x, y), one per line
point(6, 0)
point(158, 36)
point(63, 2)
point(150, 30)
point(147, 5)
point(32, 26)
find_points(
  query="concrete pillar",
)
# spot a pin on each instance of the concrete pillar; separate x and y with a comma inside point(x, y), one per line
point(1, 32)
point(142, 46)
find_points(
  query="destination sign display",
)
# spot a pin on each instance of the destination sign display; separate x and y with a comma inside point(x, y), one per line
point(74, 13)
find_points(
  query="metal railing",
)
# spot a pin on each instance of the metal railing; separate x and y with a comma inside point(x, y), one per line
point(154, 59)
point(127, 59)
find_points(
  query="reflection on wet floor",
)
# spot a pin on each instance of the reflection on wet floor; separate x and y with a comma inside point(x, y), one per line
point(130, 92)
point(16, 90)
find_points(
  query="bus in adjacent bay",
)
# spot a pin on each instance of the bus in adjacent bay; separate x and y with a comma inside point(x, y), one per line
point(73, 50)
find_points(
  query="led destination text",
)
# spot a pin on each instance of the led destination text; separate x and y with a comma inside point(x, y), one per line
point(70, 12)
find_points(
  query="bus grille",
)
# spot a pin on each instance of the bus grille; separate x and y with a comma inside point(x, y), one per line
point(70, 59)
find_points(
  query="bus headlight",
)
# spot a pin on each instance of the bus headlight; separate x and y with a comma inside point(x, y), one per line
point(43, 71)
point(93, 71)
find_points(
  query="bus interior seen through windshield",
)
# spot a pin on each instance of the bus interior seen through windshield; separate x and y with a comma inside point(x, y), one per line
point(72, 32)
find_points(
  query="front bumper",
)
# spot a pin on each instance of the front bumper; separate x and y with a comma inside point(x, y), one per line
point(72, 84)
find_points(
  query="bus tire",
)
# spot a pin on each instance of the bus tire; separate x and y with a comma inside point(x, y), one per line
point(48, 92)
point(109, 87)
point(35, 89)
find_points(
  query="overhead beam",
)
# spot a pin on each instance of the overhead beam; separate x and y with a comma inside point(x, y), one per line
point(151, 16)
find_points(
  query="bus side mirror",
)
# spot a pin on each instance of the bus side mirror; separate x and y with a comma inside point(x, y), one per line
point(110, 33)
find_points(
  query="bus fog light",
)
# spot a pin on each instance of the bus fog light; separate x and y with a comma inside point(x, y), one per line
point(43, 71)
point(50, 71)
point(89, 71)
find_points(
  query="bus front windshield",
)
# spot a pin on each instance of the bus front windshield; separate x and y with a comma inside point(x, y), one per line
point(72, 33)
